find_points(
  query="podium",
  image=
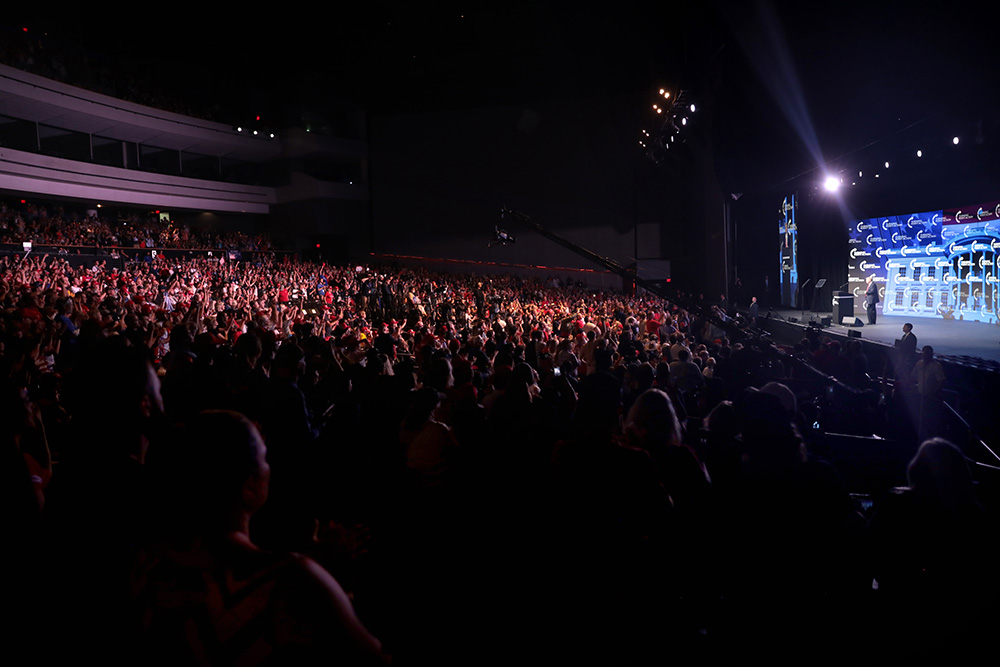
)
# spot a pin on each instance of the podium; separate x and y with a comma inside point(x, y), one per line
point(843, 306)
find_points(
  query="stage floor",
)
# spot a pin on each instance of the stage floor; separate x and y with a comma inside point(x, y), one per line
point(960, 341)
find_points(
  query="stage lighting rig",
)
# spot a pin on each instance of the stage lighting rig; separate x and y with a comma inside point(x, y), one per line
point(671, 124)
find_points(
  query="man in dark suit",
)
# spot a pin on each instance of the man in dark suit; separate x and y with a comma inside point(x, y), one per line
point(907, 346)
point(754, 311)
point(908, 342)
point(871, 298)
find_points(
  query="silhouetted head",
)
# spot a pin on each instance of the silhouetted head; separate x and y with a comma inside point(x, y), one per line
point(653, 421)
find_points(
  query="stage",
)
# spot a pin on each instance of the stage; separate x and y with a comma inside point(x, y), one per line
point(965, 343)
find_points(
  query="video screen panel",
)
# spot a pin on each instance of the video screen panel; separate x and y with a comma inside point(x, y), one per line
point(788, 250)
point(933, 264)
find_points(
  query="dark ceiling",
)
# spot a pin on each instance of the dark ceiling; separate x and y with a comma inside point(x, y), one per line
point(790, 86)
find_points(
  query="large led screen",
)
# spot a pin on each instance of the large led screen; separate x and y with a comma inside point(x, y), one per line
point(934, 264)
point(788, 250)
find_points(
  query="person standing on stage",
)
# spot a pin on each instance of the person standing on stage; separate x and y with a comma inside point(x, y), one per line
point(754, 311)
point(871, 298)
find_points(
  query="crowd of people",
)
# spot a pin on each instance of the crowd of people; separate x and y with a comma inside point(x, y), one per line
point(240, 461)
point(66, 228)
point(216, 461)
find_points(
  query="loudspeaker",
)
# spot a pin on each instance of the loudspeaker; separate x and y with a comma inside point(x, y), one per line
point(826, 321)
point(793, 319)
point(853, 334)
point(851, 322)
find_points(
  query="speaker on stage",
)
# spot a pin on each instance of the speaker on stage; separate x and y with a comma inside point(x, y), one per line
point(793, 319)
point(853, 333)
point(826, 321)
point(851, 322)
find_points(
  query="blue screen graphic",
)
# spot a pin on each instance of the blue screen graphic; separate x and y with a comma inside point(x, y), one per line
point(935, 264)
point(788, 252)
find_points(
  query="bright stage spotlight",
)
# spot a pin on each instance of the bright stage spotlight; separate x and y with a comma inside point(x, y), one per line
point(955, 141)
point(920, 153)
point(831, 184)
